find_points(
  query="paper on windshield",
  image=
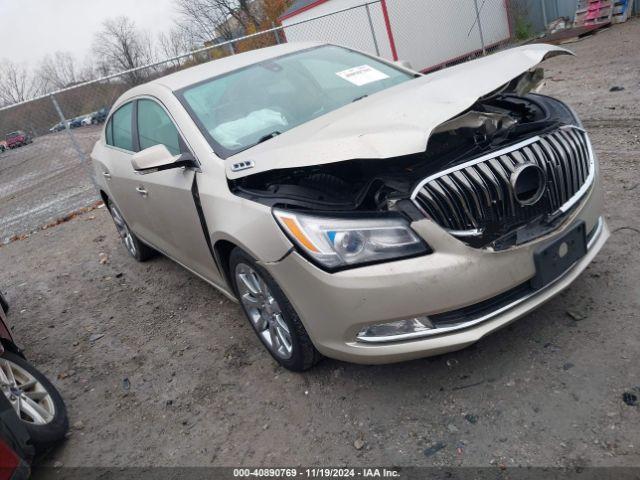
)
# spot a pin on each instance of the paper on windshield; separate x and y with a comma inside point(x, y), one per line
point(362, 75)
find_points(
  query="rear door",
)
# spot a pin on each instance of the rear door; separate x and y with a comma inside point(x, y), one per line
point(125, 186)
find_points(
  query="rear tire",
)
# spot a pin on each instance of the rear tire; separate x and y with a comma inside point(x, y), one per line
point(43, 435)
point(271, 315)
point(134, 246)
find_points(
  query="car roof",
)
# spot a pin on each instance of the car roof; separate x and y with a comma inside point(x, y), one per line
point(189, 76)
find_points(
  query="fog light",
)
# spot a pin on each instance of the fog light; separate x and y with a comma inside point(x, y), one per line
point(391, 329)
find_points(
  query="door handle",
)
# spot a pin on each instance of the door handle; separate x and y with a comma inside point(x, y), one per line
point(106, 175)
point(141, 191)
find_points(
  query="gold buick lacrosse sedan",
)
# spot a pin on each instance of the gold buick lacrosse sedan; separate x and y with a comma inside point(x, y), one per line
point(353, 207)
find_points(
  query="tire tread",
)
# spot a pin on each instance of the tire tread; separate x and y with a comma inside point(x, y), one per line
point(44, 436)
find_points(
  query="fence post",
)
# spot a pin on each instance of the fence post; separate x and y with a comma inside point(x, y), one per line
point(545, 20)
point(373, 31)
point(74, 142)
point(276, 33)
point(484, 49)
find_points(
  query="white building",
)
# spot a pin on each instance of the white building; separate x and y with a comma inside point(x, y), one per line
point(427, 33)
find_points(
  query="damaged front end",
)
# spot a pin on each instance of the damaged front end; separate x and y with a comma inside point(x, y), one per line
point(500, 173)
point(508, 162)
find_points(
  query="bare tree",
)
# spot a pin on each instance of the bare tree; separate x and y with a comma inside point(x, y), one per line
point(121, 46)
point(174, 43)
point(244, 11)
point(207, 20)
point(88, 68)
point(59, 71)
point(199, 20)
point(16, 83)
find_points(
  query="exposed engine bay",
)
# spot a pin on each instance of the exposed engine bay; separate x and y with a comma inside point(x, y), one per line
point(494, 122)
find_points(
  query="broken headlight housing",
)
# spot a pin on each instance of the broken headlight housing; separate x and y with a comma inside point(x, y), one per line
point(339, 242)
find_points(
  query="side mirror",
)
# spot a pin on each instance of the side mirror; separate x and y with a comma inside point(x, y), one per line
point(158, 158)
point(405, 64)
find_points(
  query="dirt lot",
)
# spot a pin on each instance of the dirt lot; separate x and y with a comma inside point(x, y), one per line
point(43, 181)
point(157, 368)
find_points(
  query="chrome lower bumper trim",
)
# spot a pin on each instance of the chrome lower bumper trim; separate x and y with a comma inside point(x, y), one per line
point(462, 325)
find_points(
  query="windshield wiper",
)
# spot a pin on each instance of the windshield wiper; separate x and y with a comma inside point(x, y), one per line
point(268, 136)
point(359, 98)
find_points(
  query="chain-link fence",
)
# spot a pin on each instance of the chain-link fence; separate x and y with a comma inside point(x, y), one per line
point(47, 140)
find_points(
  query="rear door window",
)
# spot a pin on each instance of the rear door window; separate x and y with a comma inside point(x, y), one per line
point(109, 132)
point(122, 131)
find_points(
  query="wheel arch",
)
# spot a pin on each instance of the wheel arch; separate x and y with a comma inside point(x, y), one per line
point(222, 250)
point(9, 346)
point(104, 197)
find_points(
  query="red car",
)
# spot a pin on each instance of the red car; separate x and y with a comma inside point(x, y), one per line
point(16, 451)
point(34, 400)
point(17, 139)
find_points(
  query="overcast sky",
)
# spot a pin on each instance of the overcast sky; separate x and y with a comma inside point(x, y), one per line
point(31, 29)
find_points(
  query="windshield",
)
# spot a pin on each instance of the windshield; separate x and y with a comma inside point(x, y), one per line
point(240, 109)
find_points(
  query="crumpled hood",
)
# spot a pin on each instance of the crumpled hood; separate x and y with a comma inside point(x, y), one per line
point(394, 122)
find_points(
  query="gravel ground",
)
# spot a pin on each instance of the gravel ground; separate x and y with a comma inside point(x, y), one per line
point(27, 175)
point(157, 368)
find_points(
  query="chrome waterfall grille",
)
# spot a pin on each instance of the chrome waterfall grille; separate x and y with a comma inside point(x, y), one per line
point(491, 195)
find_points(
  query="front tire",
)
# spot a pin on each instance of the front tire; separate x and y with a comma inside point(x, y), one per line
point(138, 250)
point(271, 314)
point(35, 400)
point(4, 304)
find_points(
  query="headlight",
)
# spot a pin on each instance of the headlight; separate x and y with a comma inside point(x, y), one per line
point(335, 242)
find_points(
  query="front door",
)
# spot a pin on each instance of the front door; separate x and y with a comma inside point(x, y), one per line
point(174, 225)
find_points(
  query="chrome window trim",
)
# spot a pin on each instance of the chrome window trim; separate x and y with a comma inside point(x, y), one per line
point(563, 208)
point(118, 149)
point(460, 326)
point(183, 137)
point(166, 110)
point(110, 120)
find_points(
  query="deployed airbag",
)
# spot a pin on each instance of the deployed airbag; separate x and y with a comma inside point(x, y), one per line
point(258, 123)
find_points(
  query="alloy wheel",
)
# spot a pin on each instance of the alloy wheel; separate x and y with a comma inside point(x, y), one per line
point(263, 310)
point(123, 230)
point(30, 400)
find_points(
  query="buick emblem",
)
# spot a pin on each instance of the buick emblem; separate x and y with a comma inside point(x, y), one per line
point(528, 182)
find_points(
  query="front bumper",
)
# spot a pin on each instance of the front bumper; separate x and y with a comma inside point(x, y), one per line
point(335, 307)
